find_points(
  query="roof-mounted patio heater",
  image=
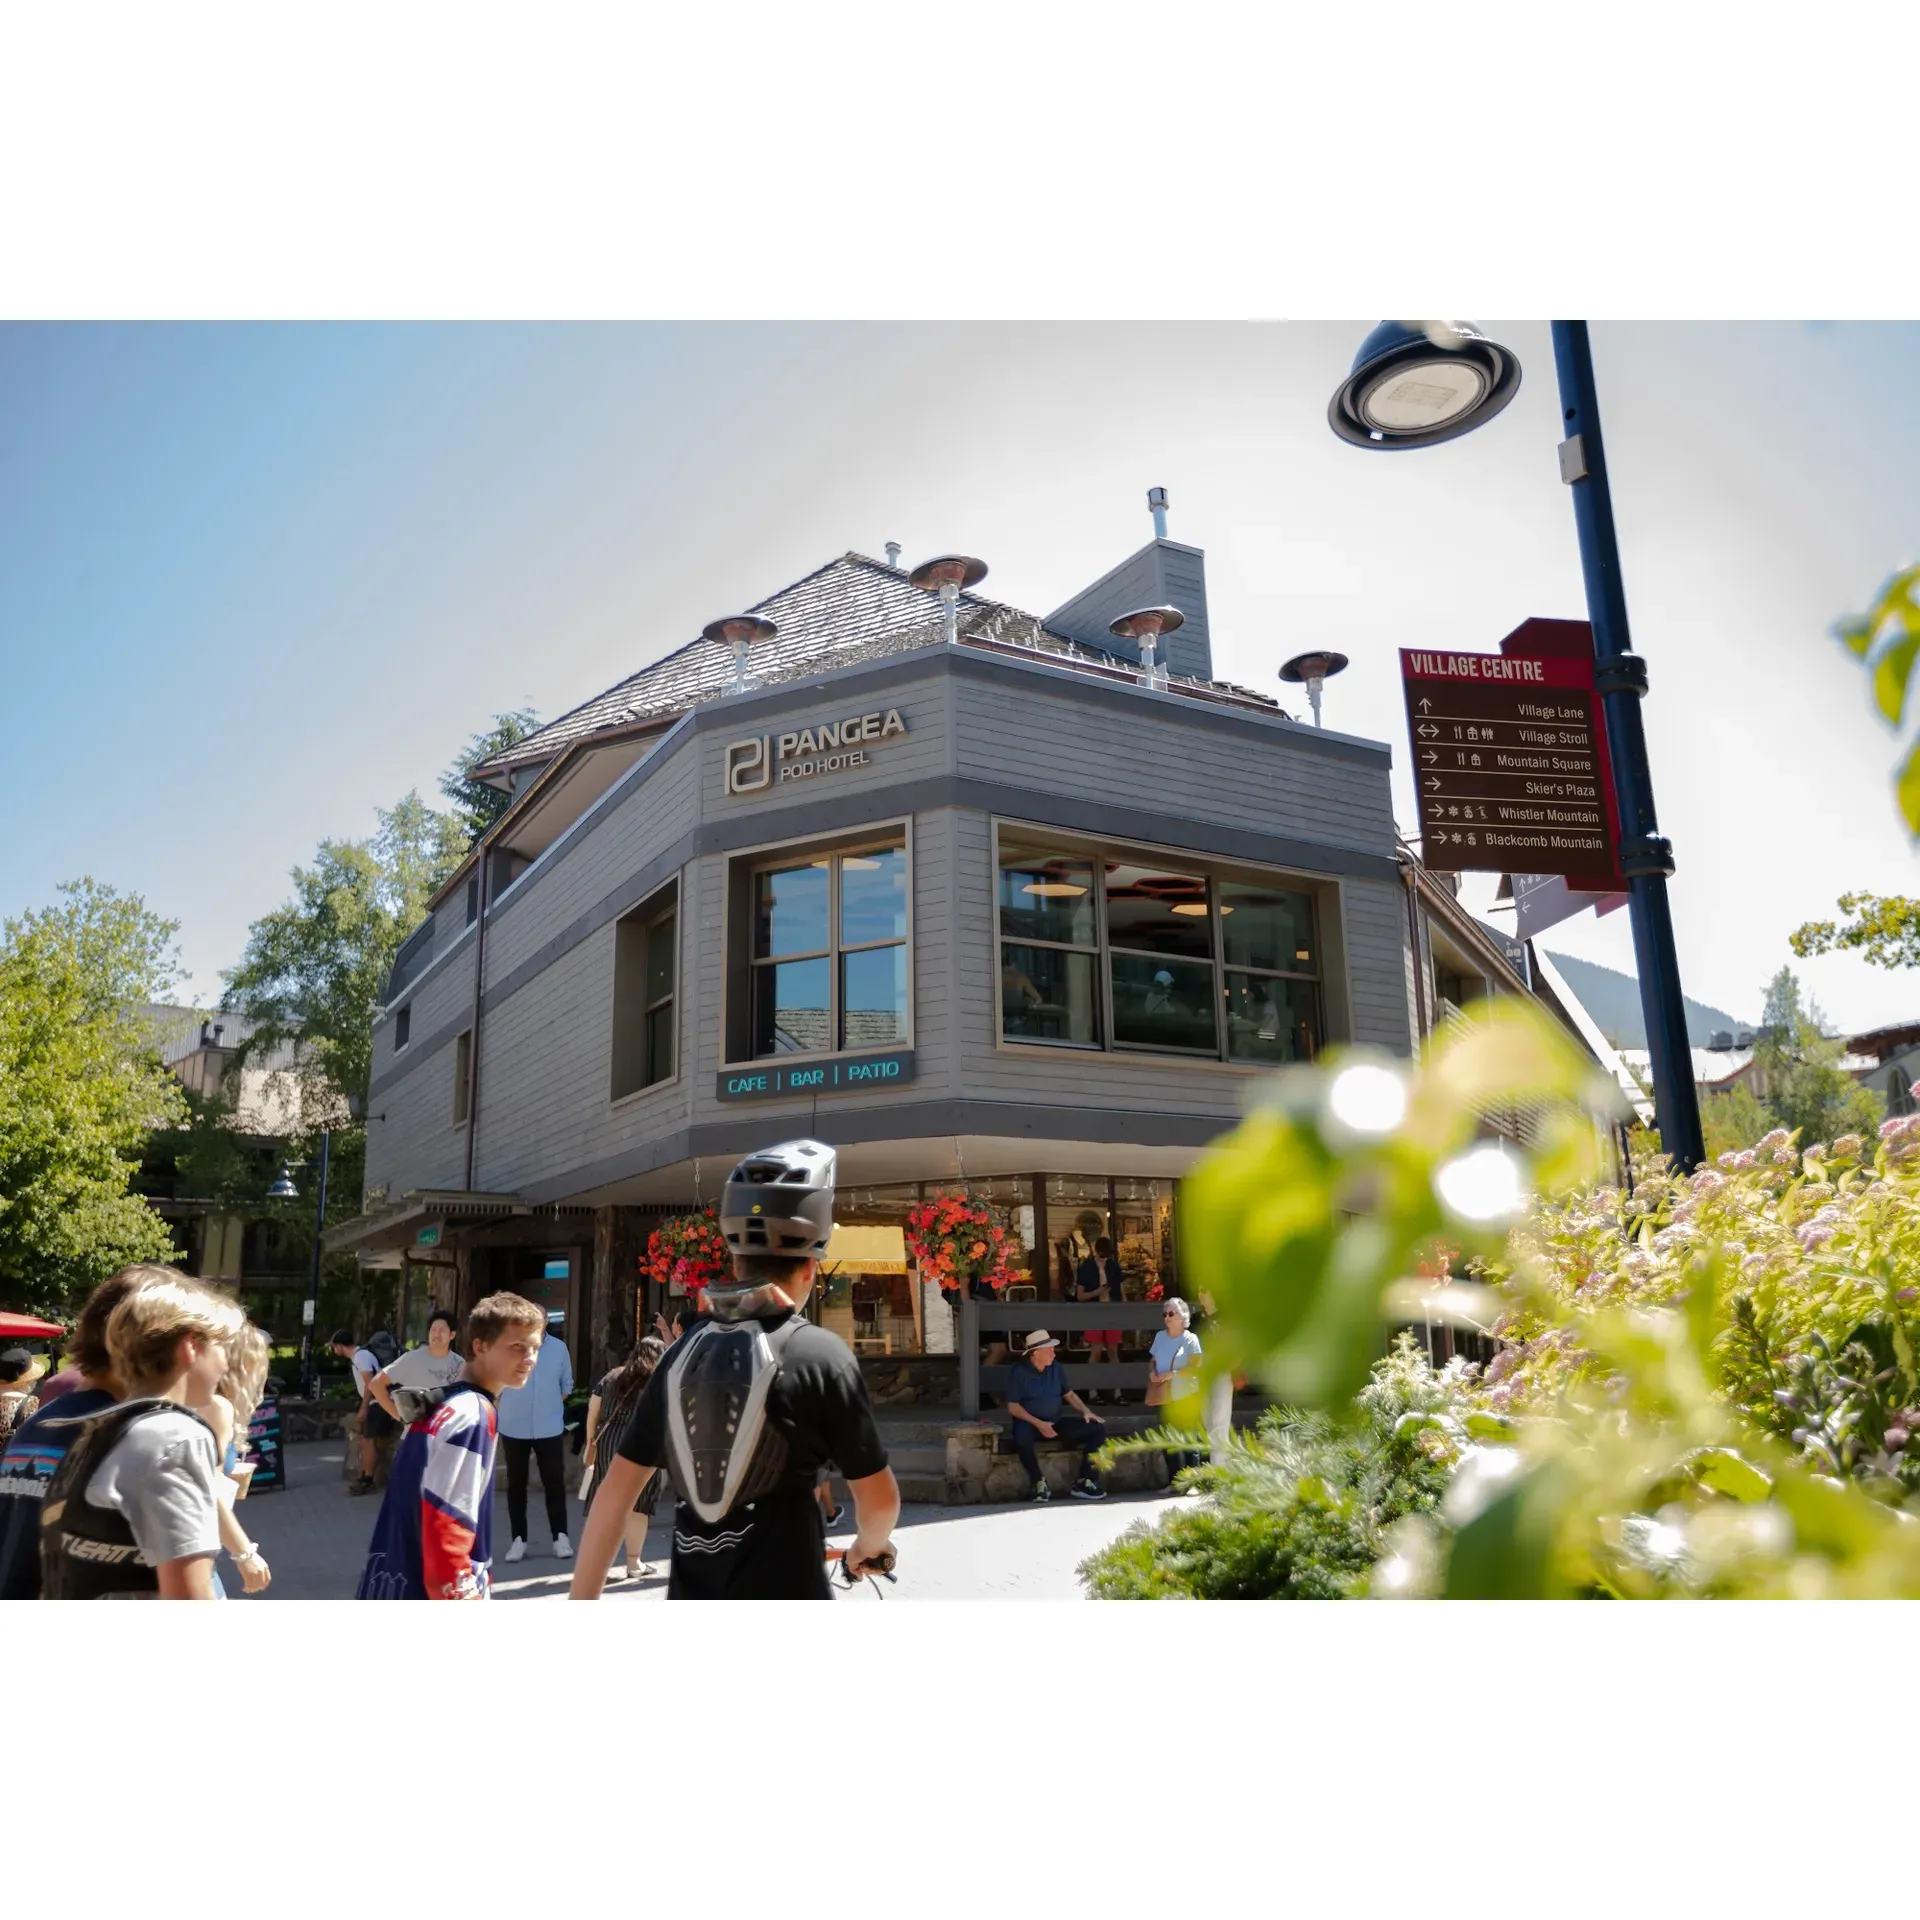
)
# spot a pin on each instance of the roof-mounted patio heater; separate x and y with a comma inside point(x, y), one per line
point(1313, 671)
point(948, 576)
point(1144, 626)
point(737, 632)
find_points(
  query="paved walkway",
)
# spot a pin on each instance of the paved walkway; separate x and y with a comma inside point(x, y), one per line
point(314, 1535)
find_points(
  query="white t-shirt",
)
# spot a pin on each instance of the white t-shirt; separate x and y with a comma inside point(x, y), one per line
point(419, 1370)
point(163, 1474)
point(366, 1363)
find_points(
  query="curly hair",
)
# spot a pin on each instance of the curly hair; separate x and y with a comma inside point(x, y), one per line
point(246, 1376)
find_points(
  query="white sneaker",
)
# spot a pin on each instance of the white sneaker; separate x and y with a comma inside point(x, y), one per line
point(518, 1551)
point(562, 1547)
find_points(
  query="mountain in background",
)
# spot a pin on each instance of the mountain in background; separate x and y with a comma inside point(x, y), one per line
point(1613, 999)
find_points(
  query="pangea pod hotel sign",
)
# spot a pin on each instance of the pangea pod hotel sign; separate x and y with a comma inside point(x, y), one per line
point(828, 746)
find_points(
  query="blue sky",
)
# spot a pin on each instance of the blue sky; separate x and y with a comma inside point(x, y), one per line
point(257, 580)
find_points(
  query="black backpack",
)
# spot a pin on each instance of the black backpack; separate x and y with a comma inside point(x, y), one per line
point(383, 1346)
point(723, 1449)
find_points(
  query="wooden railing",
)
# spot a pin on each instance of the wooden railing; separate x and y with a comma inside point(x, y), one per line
point(982, 1321)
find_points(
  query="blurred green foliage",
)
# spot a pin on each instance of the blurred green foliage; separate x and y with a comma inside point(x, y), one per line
point(1702, 1385)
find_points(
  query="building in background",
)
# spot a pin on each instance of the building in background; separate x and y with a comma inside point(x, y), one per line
point(1001, 907)
point(1887, 1061)
point(256, 1249)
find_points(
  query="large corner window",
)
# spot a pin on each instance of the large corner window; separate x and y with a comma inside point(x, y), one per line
point(1136, 955)
point(828, 959)
point(644, 950)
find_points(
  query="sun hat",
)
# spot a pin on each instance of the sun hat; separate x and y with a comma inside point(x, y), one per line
point(19, 1368)
point(1037, 1339)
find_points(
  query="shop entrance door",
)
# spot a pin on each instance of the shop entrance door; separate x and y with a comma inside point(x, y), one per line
point(550, 1278)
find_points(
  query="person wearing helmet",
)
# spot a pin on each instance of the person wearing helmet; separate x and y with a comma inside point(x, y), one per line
point(747, 1408)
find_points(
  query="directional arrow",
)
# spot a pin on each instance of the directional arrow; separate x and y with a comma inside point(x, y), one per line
point(1426, 706)
point(1430, 757)
point(1433, 785)
point(1427, 731)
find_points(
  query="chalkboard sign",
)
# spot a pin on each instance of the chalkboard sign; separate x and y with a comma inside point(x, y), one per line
point(263, 1447)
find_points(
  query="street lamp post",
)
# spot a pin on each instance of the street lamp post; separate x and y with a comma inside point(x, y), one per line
point(312, 1306)
point(1414, 385)
point(284, 1189)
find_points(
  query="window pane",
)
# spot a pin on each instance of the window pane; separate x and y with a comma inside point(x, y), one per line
point(873, 997)
point(1160, 911)
point(1046, 994)
point(873, 896)
point(1163, 1003)
point(1272, 1020)
point(660, 959)
point(790, 910)
point(660, 1043)
point(790, 1008)
point(1046, 896)
point(1269, 927)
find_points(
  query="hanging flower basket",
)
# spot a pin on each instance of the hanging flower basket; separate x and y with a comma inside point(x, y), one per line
point(685, 1253)
point(955, 1240)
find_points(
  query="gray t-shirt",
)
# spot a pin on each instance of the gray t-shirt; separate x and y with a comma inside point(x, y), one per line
point(163, 1474)
point(421, 1371)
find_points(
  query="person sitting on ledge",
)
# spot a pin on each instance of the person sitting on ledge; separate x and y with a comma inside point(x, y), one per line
point(1036, 1392)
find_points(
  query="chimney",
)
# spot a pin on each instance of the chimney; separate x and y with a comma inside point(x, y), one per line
point(1157, 506)
point(893, 555)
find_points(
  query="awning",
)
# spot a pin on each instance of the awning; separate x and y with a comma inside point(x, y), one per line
point(23, 1326)
point(415, 1217)
point(869, 1249)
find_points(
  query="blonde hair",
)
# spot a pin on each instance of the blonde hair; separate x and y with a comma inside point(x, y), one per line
point(145, 1330)
point(246, 1376)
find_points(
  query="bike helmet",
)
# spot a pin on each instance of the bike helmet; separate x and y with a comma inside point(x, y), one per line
point(780, 1201)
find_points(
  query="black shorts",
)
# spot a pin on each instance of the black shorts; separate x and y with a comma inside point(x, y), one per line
point(380, 1422)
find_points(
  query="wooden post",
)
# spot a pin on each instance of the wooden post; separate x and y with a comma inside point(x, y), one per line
point(470, 1273)
point(616, 1268)
point(969, 1356)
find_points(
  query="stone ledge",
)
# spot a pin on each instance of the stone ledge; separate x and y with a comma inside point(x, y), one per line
point(982, 1468)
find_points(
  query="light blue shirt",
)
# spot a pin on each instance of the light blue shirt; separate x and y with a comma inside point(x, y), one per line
point(1171, 1352)
point(539, 1409)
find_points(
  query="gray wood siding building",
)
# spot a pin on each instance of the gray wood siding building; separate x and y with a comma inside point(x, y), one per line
point(985, 738)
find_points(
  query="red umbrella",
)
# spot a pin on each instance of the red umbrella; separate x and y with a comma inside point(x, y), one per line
point(15, 1326)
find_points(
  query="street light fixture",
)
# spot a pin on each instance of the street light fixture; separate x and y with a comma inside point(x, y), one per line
point(1459, 379)
point(1417, 382)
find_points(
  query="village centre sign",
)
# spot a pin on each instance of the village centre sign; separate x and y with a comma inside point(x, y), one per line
point(828, 746)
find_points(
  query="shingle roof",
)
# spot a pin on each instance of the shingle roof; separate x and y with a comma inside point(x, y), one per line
point(851, 609)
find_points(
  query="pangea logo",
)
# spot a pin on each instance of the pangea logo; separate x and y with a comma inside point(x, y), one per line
point(829, 747)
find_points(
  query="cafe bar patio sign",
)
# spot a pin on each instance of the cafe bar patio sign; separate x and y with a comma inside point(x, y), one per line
point(768, 1079)
point(827, 746)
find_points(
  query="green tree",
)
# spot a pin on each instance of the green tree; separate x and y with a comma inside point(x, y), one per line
point(476, 805)
point(1884, 929)
point(313, 967)
point(81, 1089)
point(1798, 1073)
point(1886, 641)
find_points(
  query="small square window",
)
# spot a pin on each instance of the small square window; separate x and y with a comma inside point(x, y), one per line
point(402, 1028)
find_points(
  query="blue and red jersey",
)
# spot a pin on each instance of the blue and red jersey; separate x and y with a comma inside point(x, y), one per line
point(434, 1537)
